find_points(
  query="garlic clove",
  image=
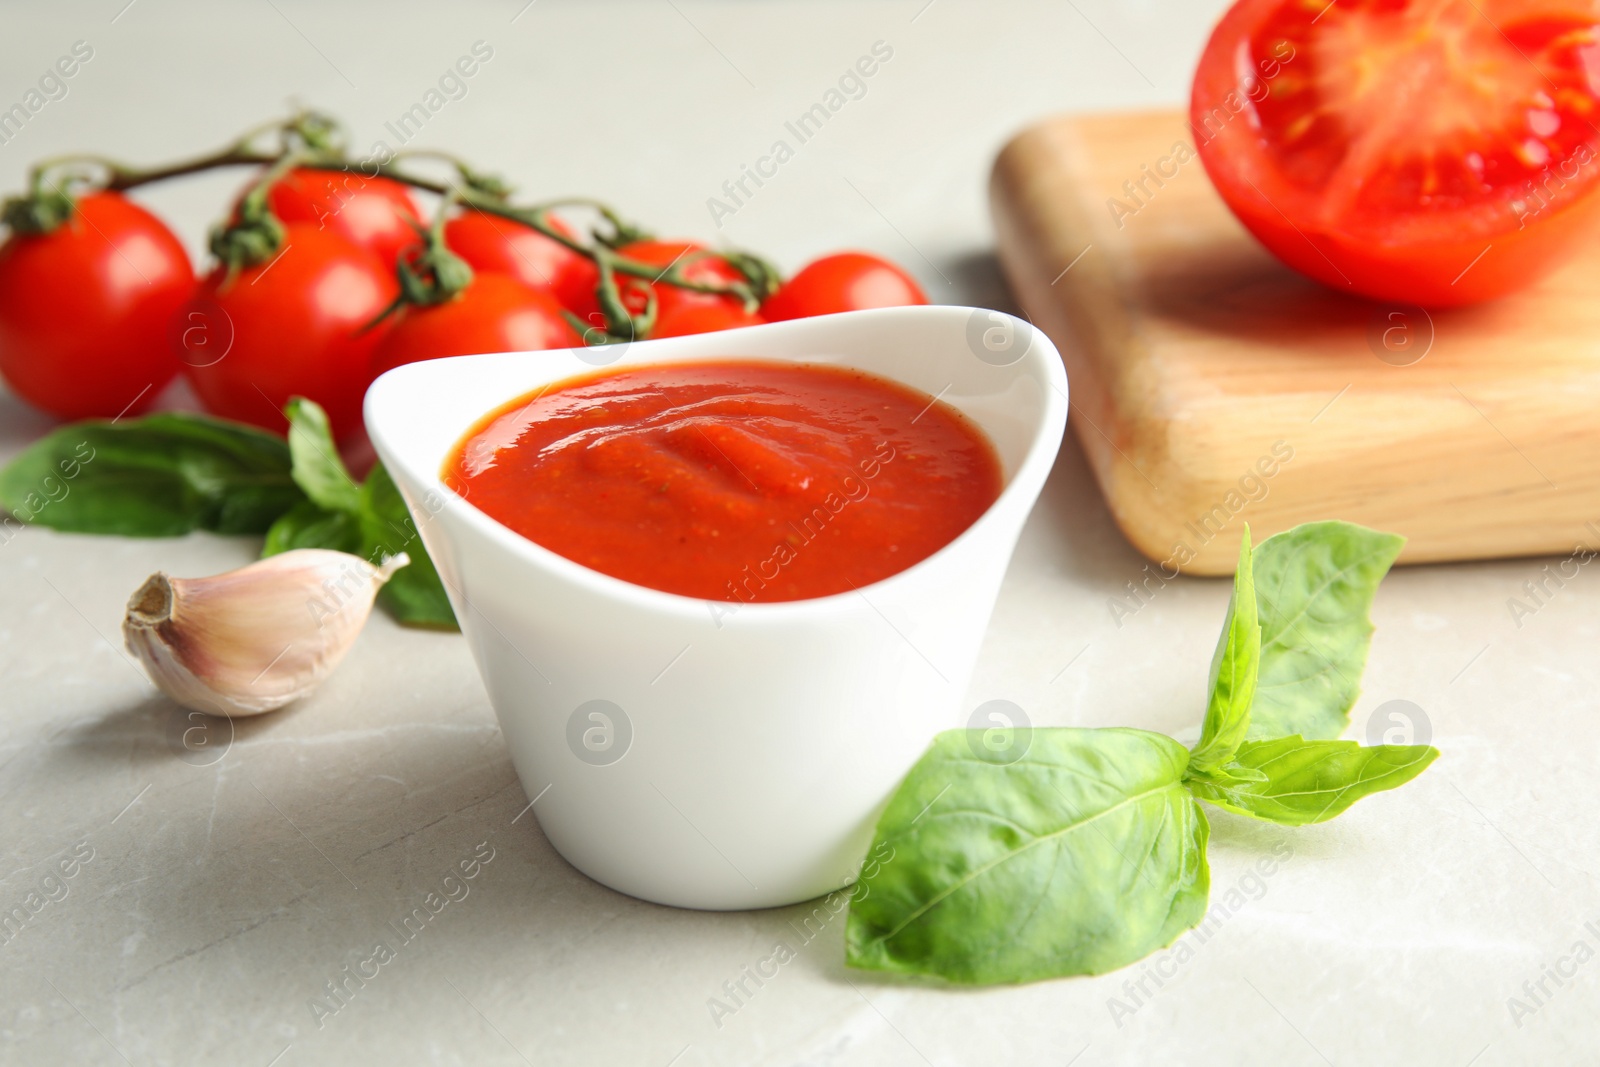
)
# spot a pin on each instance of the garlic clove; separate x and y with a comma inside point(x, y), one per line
point(256, 638)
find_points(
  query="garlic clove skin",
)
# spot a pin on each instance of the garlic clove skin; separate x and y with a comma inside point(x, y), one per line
point(253, 639)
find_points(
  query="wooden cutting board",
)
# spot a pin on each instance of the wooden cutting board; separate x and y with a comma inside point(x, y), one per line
point(1212, 387)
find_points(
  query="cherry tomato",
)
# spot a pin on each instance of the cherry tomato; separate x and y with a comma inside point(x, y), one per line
point(1409, 150)
point(492, 243)
point(845, 281)
point(85, 311)
point(678, 308)
point(494, 313)
point(295, 325)
point(702, 318)
point(374, 213)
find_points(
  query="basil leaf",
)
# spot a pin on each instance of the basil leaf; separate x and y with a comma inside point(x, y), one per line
point(1315, 585)
point(160, 476)
point(1233, 672)
point(1312, 781)
point(415, 595)
point(1226, 775)
point(308, 526)
point(317, 467)
point(1078, 858)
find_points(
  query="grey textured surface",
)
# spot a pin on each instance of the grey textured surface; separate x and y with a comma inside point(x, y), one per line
point(222, 896)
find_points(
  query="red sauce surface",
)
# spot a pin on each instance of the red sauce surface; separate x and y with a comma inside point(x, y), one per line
point(731, 480)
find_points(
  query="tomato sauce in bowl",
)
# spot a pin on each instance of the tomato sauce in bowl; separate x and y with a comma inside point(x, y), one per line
point(741, 480)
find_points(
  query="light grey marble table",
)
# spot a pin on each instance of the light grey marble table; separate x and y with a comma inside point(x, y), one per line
point(213, 899)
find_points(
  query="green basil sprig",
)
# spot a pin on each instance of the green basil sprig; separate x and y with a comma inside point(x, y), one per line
point(160, 476)
point(369, 520)
point(1078, 858)
point(316, 466)
point(1315, 584)
point(1234, 671)
point(1300, 781)
point(1088, 852)
point(172, 473)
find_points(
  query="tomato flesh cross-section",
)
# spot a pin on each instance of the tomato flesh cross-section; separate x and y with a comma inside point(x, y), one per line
point(1428, 151)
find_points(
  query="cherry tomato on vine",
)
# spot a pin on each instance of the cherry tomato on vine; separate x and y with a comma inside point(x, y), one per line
point(845, 281)
point(494, 313)
point(85, 310)
point(679, 310)
point(298, 327)
point(491, 243)
point(702, 318)
point(1424, 152)
point(373, 213)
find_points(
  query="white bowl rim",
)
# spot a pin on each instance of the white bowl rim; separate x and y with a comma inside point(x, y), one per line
point(1041, 453)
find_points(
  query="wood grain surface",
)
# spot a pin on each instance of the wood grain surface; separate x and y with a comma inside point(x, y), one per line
point(1212, 387)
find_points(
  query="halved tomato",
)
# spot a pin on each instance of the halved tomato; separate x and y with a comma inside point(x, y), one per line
point(1435, 152)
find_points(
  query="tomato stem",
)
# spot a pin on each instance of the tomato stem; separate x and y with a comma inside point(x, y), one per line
point(257, 234)
point(434, 274)
point(311, 132)
point(317, 141)
point(758, 285)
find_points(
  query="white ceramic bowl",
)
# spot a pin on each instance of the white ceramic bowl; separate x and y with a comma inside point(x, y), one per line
point(700, 754)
